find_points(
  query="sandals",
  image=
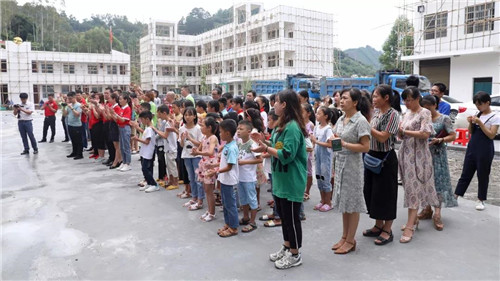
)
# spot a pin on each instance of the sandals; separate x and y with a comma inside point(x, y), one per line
point(266, 217)
point(222, 229)
point(208, 217)
point(342, 250)
point(406, 239)
point(270, 202)
point(318, 206)
point(438, 224)
point(425, 214)
point(415, 226)
point(228, 232)
point(325, 208)
point(181, 193)
point(306, 196)
point(382, 241)
point(195, 207)
point(272, 223)
point(244, 221)
point(339, 244)
point(189, 203)
point(249, 228)
point(371, 233)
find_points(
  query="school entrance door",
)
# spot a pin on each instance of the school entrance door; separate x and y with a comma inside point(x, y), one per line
point(483, 84)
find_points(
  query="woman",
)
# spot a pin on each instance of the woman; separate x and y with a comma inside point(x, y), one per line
point(415, 160)
point(443, 133)
point(381, 190)
point(96, 125)
point(336, 99)
point(114, 134)
point(289, 169)
point(480, 150)
point(354, 132)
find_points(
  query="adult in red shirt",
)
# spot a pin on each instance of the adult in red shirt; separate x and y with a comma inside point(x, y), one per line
point(50, 108)
point(123, 121)
point(114, 134)
point(85, 125)
point(96, 102)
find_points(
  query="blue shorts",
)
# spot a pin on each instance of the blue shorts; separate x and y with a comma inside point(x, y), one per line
point(248, 194)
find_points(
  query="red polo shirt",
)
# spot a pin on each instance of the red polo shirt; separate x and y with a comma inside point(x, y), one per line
point(49, 112)
point(92, 120)
point(83, 115)
point(126, 113)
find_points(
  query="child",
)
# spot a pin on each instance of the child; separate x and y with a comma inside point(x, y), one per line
point(228, 177)
point(237, 106)
point(189, 137)
point(213, 106)
point(201, 109)
point(166, 147)
point(310, 120)
point(247, 163)
point(324, 157)
point(208, 149)
point(147, 151)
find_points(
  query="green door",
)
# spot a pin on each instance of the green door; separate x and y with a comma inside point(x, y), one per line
point(483, 84)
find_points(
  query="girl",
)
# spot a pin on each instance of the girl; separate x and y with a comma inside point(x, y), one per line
point(480, 151)
point(324, 155)
point(443, 132)
point(208, 149)
point(263, 103)
point(381, 190)
point(253, 115)
point(310, 120)
point(190, 137)
point(178, 112)
point(354, 132)
point(123, 120)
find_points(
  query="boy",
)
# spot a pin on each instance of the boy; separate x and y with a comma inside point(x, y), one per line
point(247, 162)
point(223, 104)
point(167, 142)
point(147, 151)
point(228, 177)
point(201, 109)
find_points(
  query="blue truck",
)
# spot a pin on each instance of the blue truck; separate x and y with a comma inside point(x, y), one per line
point(319, 87)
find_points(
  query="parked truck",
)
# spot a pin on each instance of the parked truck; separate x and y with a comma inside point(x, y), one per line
point(319, 87)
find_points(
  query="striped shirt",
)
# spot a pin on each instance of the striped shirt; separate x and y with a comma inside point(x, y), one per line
point(388, 122)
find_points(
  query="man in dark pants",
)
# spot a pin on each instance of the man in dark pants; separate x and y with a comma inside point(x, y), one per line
point(74, 111)
point(50, 108)
point(24, 112)
point(63, 100)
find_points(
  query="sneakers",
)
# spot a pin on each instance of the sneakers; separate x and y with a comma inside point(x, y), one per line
point(120, 167)
point(279, 254)
point(35, 152)
point(143, 187)
point(125, 167)
point(25, 152)
point(288, 261)
point(480, 205)
point(152, 188)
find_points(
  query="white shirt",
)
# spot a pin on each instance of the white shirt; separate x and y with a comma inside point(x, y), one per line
point(196, 134)
point(495, 120)
point(229, 155)
point(147, 150)
point(26, 106)
point(263, 114)
point(248, 172)
point(171, 142)
point(323, 134)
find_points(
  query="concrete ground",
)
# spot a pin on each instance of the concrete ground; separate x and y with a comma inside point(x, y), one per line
point(67, 220)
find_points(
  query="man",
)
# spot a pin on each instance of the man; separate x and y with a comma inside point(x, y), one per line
point(251, 95)
point(74, 121)
point(50, 107)
point(216, 93)
point(83, 117)
point(169, 99)
point(438, 89)
point(186, 93)
point(24, 113)
point(412, 80)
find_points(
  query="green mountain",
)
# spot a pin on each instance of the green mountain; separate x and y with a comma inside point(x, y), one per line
point(366, 55)
point(346, 66)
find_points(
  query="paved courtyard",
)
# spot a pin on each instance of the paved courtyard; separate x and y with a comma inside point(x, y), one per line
point(70, 220)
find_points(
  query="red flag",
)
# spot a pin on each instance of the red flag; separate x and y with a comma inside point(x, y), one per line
point(110, 35)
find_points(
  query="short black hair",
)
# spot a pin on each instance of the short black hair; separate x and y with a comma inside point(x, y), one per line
point(238, 100)
point(78, 91)
point(146, 114)
point(304, 94)
point(214, 104)
point(251, 104)
point(254, 94)
point(232, 115)
point(412, 80)
point(70, 94)
point(229, 125)
point(227, 96)
point(188, 103)
point(23, 96)
point(202, 104)
point(246, 123)
point(163, 109)
point(223, 101)
point(218, 89)
point(178, 103)
point(50, 95)
point(146, 106)
point(412, 92)
point(441, 87)
point(272, 98)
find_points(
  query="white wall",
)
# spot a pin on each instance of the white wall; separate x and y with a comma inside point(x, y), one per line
point(464, 69)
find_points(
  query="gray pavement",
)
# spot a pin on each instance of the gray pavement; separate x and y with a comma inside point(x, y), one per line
point(66, 220)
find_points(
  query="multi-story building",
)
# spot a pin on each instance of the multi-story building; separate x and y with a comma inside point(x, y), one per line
point(39, 73)
point(458, 43)
point(257, 45)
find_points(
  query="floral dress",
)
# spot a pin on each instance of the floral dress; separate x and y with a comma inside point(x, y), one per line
point(203, 169)
point(442, 179)
point(415, 162)
point(348, 187)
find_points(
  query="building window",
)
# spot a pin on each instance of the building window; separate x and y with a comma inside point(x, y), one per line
point(480, 17)
point(112, 69)
point(4, 66)
point(167, 50)
point(272, 34)
point(163, 30)
point(65, 89)
point(34, 67)
point(123, 69)
point(208, 49)
point(290, 62)
point(229, 66)
point(273, 60)
point(69, 68)
point(435, 25)
point(217, 67)
point(255, 62)
point(241, 39)
point(47, 67)
point(167, 71)
point(242, 64)
point(256, 35)
point(199, 51)
point(47, 89)
point(92, 69)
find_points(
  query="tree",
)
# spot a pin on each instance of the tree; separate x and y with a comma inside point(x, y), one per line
point(398, 44)
point(203, 75)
